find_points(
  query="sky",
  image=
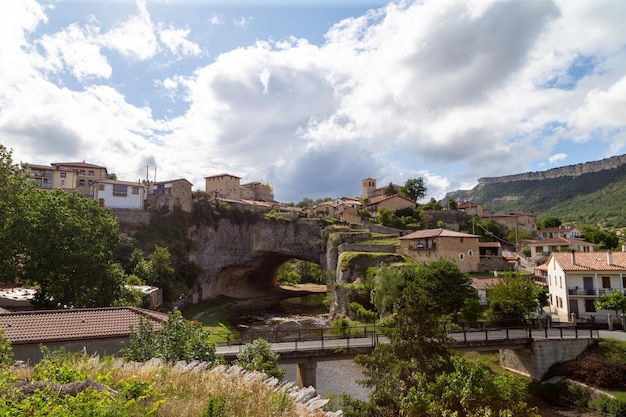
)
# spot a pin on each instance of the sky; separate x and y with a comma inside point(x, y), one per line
point(314, 96)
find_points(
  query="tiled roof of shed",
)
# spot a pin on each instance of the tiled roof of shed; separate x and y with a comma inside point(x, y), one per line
point(79, 324)
point(423, 234)
point(590, 261)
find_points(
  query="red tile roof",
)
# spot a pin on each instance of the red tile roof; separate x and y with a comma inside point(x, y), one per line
point(590, 261)
point(79, 324)
point(559, 241)
point(429, 233)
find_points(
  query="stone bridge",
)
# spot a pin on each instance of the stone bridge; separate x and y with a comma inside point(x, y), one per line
point(240, 260)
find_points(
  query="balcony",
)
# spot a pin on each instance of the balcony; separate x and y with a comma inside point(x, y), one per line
point(592, 292)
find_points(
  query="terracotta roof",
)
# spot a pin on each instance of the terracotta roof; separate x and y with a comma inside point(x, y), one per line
point(64, 325)
point(558, 229)
point(559, 241)
point(423, 234)
point(590, 261)
point(380, 198)
point(77, 164)
point(542, 267)
point(490, 244)
point(223, 175)
point(482, 282)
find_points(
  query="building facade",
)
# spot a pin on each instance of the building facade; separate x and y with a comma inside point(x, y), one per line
point(432, 244)
point(576, 280)
point(119, 194)
point(171, 194)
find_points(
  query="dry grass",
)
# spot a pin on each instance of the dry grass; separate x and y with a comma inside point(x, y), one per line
point(187, 394)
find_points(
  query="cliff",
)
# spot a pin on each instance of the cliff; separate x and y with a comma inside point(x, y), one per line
point(566, 171)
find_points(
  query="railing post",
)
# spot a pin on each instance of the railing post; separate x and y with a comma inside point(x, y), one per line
point(507, 333)
point(322, 336)
point(530, 332)
point(576, 331)
point(464, 335)
point(546, 329)
point(561, 332)
point(486, 334)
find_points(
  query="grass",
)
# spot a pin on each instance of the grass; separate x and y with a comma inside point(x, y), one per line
point(157, 390)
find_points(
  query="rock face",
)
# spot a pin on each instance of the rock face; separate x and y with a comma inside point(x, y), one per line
point(567, 171)
point(241, 260)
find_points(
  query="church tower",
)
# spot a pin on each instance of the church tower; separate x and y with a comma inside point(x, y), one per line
point(369, 185)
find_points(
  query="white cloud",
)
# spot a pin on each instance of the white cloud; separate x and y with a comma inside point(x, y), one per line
point(135, 38)
point(557, 158)
point(451, 91)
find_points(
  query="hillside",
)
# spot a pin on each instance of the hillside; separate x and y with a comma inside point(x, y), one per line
point(584, 194)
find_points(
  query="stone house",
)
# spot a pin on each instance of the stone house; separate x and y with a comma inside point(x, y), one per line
point(392, 202)
point(344, 208)
point(576, 280)
point(432, 244)
point(370, 190)
point(171, 194)
point(229, 187)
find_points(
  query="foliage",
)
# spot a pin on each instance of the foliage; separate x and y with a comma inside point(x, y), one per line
point(178, 339)
point(6, 351)
point(258, 356)
point(432, 205)
point(415, 189)
point(605, 240)
point(297, 271)
point(403, 219)
point(593, 198)
point(58, 366)
point(73, 265)
point(513, 297)
point(549, 221)
point(614, 301)
point(416, 375)
point(391, 189)
point(15, 215)
point(109, 390)
point(388, 285)
point(452, 204)
point(359, 312)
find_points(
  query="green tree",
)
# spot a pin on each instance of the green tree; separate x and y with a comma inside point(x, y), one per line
point(513, 297)
point(258, 356)
point(388, 285)
point(177, 340)
point(549, 221)
point(6, 351)
point(614, 301)
point(70, 252)
point(452, 204)
point(432, 205)
point(16, 189)
point(415, 189)
point(445, 284)
point(385, 216)
point(605, 240)
point(390, 189)
point(156, 269)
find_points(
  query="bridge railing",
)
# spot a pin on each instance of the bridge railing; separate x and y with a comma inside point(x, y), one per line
point(462, 333)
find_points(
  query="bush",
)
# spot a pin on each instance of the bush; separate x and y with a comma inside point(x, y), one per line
point(6, 351)
point(258, 356)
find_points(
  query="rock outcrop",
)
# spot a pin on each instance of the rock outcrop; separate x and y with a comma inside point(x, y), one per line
point(567, 171)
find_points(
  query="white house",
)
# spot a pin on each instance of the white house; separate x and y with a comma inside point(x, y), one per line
point(119, 194)
point(544, 247)
point(576, 280)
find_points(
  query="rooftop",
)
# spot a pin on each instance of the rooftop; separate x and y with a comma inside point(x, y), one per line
point(429, 233)
point(590, 261)
point(78, 324)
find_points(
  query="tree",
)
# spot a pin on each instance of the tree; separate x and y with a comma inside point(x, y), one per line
point(549, 221)
point(417, 375)
point(6, 351)
point(177, 340)
point(615, 301)
point(513, 297)
point(414, 189)
point(604, 240)
point(445, 284)
point(432, 205)
point(258, 356)
point(73, 265)
point(16, 188)
point(156, 269)
point(390, 189)
point(388, 284)
point(452, 204)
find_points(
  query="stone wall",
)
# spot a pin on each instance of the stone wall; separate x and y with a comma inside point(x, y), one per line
point(536, 360)
point(132, 217)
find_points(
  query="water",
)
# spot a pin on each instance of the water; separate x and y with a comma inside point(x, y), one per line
point(300, 314)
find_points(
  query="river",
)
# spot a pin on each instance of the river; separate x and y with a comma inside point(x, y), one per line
point(333, 377)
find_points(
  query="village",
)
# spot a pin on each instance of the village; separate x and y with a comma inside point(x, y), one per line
point(575, 274)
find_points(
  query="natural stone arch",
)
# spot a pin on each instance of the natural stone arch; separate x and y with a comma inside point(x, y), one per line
point(241, 260)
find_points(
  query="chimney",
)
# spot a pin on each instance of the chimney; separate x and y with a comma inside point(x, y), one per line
point(573, 257)
point(609, 257)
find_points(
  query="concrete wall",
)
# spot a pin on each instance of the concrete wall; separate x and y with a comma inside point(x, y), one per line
point(132, 217)
point(534, 361)
point(32, 352)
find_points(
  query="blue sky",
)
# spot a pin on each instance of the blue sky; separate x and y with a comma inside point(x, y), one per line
point(316, 97)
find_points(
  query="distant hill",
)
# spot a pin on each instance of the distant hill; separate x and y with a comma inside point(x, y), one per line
point(593, 193)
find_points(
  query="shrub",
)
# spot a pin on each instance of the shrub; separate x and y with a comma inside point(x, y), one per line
point(258, 356)
point(6, 351)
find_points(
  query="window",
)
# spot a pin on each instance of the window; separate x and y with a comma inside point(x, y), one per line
point(47, 181)
point(91, 173)
point(551, 303)
point(560, 282)
point(590, 306)
point(62, 182)
point(101, 187)
point(606, 282)
point(119, 189)
point(462, 256)
point(63, 174)
point(81, 172)
point(81, 182)
point(135, 190)
point(470, 253)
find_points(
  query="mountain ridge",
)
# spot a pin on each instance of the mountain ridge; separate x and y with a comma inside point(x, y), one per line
point(589, 193)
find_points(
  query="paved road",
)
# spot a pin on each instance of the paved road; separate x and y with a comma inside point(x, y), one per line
point(469, 337)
